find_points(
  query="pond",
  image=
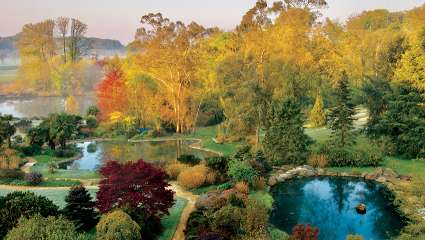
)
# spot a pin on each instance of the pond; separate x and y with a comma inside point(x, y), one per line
point(329, 204)
point(41, 106)
point(155, 152)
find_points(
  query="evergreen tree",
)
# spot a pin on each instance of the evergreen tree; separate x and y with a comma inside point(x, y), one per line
point(285, 140)
point(342, 115)
point(317, 113)
point(80, 208)
point(404, 121)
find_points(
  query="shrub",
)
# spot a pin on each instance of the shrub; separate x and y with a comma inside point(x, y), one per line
point(193, 177)
point(64, 153)
point(92, 147)
point(218, 163)
point(264, 198)
point(242, 187)
point(23, 204)
point(34, 178)
point(31, 150)
point(40, 228)
point(256, 219)
point(318, 160)
point(11, 174)
point(117, 225)
point(277, 234)
point(240, 171)
point(196, 225)
point(188, 159)
point(228, 219)
point(225, 186)
point(212, 236)
point(91, 122)
point(80, 208)
point(211, 177)
point(304, 232)
point(259, 183)
point(236, 201)
point(354, 237)
point(174, 169)
point(352, 157)
point(9, 158)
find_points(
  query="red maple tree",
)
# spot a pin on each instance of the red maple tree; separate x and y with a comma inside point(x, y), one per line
point(134, 185)
point(112, 93)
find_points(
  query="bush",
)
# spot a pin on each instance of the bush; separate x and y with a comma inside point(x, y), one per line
point(188, 159)
point(92, 148)
point(196, 225)
point(64, 153)
point(23, 204)
point(318, 160)
point(34, 178)
point(264, 198)
point(40, 228)
point(174, 169)
point(31, 150)
point(242, 187)
point(277, 234)
point(240, 171)
point(225, 186)
point(256, 219)
point(304, 232)
point(369, 156)
point(218, 163)
point(193, 177)
point(117, 225)
point(259, 183)
point(11, 174)
point(228, 219)
point(91, 122)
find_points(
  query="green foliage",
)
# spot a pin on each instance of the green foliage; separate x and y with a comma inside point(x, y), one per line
point(285, 141)
point(7, 129)
point(228, 219)
point(40, 228)
point(23, 204)
point(92, 147)
point(256, 219)
point(217, 163)
point(188, 159)
point(91, 122)
point(80, 208)
point(92, 111)
point(264, 198)
point(404, 122)
point(277, 234)
point(241, 171)
point(368, 156)
point(117, 225)
point(342, 115)
point(317, 115)
point(8, 174)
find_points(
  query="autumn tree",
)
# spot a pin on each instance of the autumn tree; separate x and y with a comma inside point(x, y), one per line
point(134, 185)
point(76, 42)
point(63, 28)
point(71, 106)
point(317, 113)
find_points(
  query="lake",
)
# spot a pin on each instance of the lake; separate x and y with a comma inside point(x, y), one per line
point(155, 152)
point(329, 204)
point(41, 106)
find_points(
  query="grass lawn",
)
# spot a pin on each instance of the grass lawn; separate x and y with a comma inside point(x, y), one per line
point(171, 221)
point(56, 195)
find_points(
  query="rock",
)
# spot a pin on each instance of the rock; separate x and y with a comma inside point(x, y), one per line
point(321, 172)
point(272, 181)
point(344, 174)
point(364, 174)
point(390, 174)
point(406, 178)
point(381, 180)
point(361, 208)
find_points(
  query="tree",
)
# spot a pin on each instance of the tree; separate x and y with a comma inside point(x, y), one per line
point(117, 225)
point(39, 135)
point(92, 111)
point(342, 115)
point(80, 208)
point(404, 121)
point(23, 204)
point(71, 106)
point(76, 41)
point(374, 94)
point(7, 129)
point(134, 185)
point(63, 25)
point(317, 113)
point(40, 228)
point(285, 141)
point(61, 128)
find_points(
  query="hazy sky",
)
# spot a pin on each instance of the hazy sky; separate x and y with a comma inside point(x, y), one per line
point(118, 19)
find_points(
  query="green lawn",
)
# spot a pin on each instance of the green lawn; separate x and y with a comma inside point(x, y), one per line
point(171, 221)
point(42, 167)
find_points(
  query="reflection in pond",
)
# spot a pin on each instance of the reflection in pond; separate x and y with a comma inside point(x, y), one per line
point(41, 106)
point(154, 152)
point(329, 204)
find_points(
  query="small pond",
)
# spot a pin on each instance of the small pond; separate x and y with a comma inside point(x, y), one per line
point(154, 152)
point(329, 204)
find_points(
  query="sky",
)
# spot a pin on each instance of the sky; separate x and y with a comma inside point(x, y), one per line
point(119, 19)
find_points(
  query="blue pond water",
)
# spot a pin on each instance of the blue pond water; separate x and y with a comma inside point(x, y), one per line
point(329, 204)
